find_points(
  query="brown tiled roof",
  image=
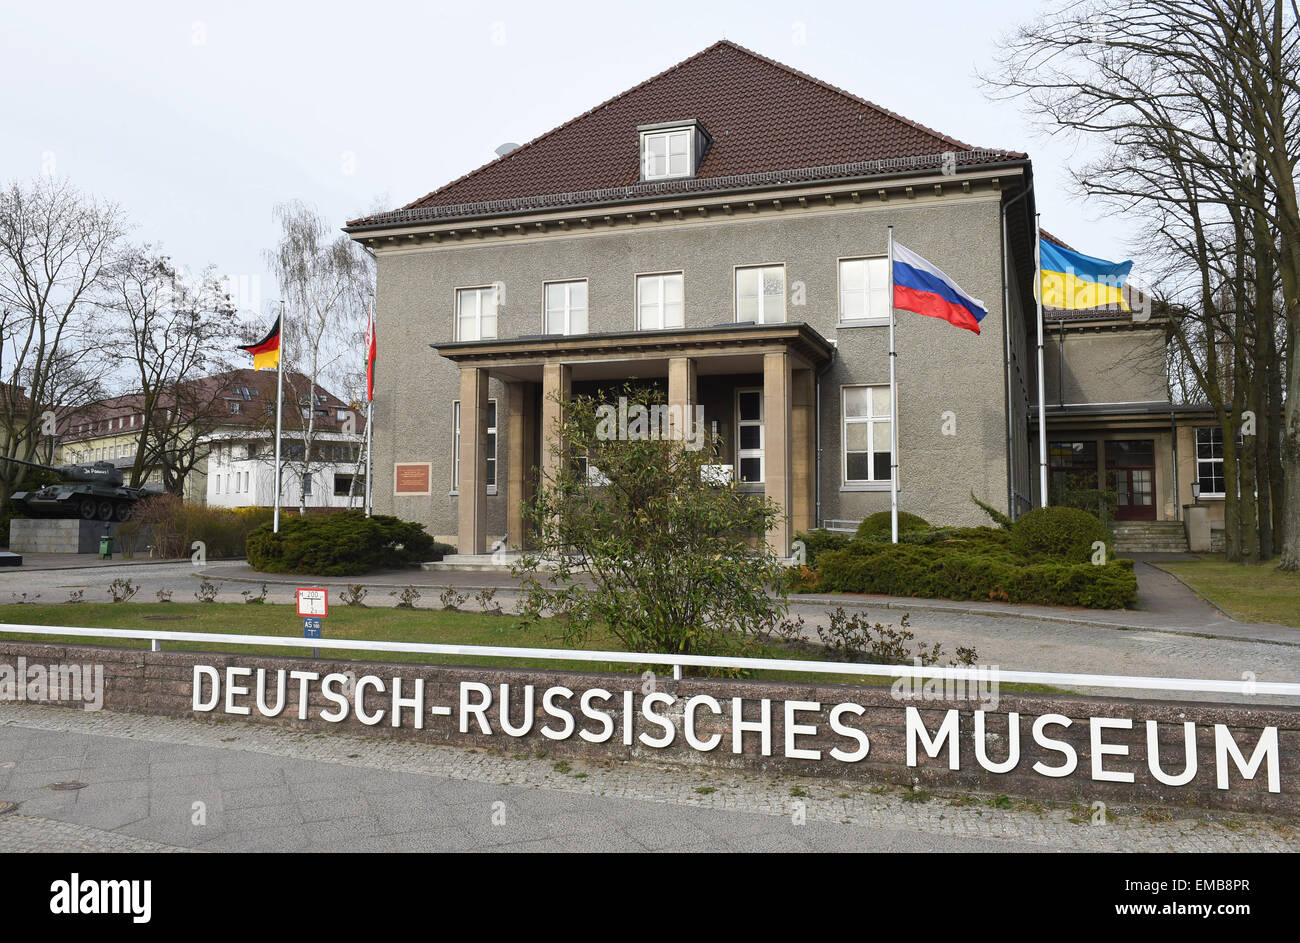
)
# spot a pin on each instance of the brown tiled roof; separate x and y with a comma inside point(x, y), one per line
point(216, 390)
point(763, 118)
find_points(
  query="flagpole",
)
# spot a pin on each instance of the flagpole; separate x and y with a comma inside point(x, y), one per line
point(893, 403)
point(370, 413)
point(1042, 384)
point(279, 409)
point(370, 410)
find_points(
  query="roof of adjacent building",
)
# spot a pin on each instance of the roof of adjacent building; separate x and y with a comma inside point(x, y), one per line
point(763, 118)
point(117, 416)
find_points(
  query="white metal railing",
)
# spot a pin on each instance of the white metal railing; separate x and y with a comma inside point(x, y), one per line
point(838, 526)
point(981, 674)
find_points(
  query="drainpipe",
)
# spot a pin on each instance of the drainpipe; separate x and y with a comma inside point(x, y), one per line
point(1006, 354)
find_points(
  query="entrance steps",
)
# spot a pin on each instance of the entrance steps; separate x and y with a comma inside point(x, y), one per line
point(1149, 537)
point(475, 562)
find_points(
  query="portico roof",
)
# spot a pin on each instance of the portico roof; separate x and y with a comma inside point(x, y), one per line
point(726, 343)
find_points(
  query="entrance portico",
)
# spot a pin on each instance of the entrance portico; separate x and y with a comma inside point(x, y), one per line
point(701, 367)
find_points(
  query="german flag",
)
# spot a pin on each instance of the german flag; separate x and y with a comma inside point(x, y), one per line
point(266, 352)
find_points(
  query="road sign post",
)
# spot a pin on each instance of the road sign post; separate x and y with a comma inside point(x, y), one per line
point(313, 606)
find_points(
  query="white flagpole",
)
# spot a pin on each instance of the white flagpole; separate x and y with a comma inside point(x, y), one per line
point(893, 403)
point(370, 418)
point(279, 409)
point(1042, 385)
point(370, 410)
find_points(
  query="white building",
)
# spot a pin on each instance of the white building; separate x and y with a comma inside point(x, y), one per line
point(241, 470)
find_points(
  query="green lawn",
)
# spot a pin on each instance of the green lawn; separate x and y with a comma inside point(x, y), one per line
point(388, 624)
point(1250, 593)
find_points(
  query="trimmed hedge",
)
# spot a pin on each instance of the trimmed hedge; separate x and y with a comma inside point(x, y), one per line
point(344, 544)
point(1059, 533)
point(816, 542)
point(959, 569)
point(880, 524)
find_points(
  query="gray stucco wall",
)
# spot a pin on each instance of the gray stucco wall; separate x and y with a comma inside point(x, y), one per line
point(940, 368)
point(1121, 366)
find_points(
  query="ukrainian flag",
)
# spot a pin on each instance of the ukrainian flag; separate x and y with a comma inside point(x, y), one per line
point(1072, 281)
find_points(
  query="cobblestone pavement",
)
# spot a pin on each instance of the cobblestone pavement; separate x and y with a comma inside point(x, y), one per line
point(264, 788)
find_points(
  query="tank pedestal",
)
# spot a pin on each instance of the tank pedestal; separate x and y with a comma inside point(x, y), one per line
point(57, 535)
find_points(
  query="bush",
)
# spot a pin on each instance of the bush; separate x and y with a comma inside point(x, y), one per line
point(960, 569)
point(819, 541)
point(173, 526)
point(880, 525)
point(343, 544)
point(1057, 533)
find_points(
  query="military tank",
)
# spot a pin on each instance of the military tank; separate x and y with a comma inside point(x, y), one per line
point(92, 492)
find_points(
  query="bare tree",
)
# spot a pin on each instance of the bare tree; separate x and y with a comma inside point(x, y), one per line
point(1197, 105)
point(175, 330)
point(56, 244)
point(327, 284)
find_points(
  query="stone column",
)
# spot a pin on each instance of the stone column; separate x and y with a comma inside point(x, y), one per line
point(517, 448)
point(682, 392)
point(803, 451)
point(776, 445)
point(557, 387)
point(472, 501)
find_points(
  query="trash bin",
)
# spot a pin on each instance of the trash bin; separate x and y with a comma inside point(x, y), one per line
point(106, 547)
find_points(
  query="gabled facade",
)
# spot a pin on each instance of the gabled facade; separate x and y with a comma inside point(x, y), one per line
point(721, 230)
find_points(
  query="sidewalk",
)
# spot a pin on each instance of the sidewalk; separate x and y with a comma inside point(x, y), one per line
point(84, 561)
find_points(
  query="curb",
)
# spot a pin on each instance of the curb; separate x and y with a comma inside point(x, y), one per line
point(98, 566)
point(295, 583)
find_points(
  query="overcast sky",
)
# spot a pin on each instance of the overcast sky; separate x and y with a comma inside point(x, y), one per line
point(198, 117)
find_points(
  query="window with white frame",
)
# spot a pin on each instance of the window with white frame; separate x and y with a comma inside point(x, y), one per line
point(749, 436)
point(864, 289)
point(490, 473)
point(666, 154)
point(760, 294)
point(1209, 461)
point(659, 301)
point(476, 313)
point(867, 435)
point(566, 307)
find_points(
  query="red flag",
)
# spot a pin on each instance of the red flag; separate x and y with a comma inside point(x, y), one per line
point(370, 358)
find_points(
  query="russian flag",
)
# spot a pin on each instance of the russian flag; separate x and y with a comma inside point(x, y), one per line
point(922, 288)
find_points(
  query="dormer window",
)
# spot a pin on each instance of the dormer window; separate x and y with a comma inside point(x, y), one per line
point(671, 150)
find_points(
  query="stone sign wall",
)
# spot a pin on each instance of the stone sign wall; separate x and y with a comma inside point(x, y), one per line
point(1058, 747)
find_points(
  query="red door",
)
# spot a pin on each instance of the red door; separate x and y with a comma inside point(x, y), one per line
point(1131, 472)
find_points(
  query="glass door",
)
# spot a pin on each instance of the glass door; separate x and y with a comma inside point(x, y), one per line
point(1131, 472)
